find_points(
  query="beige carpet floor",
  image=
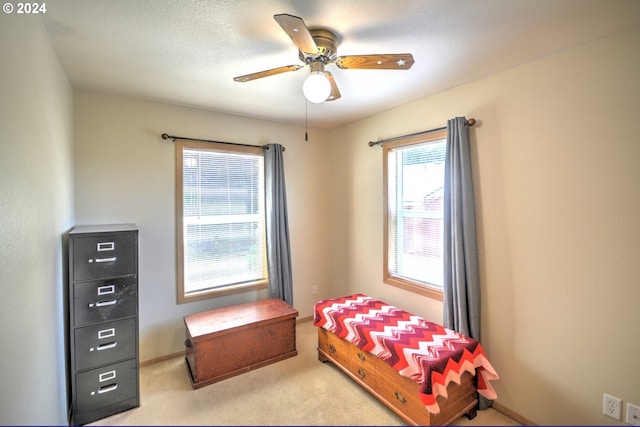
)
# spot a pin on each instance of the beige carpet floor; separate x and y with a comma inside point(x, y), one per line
point(296, 391)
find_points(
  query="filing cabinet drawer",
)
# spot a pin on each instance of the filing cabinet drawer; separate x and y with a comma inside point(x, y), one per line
point(104, 300)
point(105, 386)
point(108, 255)
point(105, 343)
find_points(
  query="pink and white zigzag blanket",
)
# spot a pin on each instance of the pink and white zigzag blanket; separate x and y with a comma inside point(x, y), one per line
point(426, 352)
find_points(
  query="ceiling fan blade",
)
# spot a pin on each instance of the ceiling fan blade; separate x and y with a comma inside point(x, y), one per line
point(297, 31)
point(335, 93)
point(393, 61)
point(267, 73)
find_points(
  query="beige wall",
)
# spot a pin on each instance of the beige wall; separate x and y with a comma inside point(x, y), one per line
point(124, 172)
point(36, 209)
point(557, 173)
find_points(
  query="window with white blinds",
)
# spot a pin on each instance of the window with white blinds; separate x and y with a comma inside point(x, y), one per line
point(414, 181)
point(221, 235)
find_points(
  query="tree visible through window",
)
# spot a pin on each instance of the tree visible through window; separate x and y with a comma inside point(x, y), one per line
point(220, 219)
point(414, 184)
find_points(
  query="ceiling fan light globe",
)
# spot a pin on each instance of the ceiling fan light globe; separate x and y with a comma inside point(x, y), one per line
point(316, 87)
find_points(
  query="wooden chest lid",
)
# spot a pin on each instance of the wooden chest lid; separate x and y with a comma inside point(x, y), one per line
point(237, 317)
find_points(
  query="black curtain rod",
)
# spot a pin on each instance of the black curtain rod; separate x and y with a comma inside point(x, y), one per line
point(469, 122)
point(166, 136)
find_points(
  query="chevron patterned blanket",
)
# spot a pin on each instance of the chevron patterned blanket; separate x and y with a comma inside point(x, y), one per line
point(426, 352)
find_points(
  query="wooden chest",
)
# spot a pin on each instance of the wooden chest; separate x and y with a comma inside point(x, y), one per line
point(232, 340)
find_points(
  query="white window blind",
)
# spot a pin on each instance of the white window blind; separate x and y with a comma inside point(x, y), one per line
point(223, 239)
point(415, 190)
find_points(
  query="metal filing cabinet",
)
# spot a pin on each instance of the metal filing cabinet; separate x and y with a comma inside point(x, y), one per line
point(103, 321)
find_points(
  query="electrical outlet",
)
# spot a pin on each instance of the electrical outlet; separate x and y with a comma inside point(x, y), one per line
point(612, 407)
point(314, 289)
point(633, 414)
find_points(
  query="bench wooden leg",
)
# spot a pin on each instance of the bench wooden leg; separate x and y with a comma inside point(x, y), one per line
point(472, 413)
point(322, 358)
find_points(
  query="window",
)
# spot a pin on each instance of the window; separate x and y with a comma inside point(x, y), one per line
point(414, 195)
point(220, 228)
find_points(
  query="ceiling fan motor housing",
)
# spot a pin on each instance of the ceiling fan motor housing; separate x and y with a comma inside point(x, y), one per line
point(327, 47)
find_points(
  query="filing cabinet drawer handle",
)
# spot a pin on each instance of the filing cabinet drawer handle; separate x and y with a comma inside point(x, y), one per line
point(110, 259)
point(107, 346)
point(106, 303)
point(361, 356)
point(107, 389)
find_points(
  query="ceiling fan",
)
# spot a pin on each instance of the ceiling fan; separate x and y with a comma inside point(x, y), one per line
point(317, 48)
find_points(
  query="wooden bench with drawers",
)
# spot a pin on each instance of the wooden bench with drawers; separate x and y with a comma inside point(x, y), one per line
point(424, 372)
point(398, 393)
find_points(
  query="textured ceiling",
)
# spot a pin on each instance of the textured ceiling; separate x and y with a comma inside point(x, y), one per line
point(188, 51)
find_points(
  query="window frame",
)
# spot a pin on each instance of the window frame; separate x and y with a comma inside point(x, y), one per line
point(182, 298)
point(421, 288)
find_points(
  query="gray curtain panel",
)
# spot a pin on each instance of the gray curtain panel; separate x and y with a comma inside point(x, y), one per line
point(277, 226)
point(461, 273)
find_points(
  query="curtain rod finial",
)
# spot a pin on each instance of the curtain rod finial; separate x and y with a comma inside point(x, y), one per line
point(164, 136)
point(471, 121)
